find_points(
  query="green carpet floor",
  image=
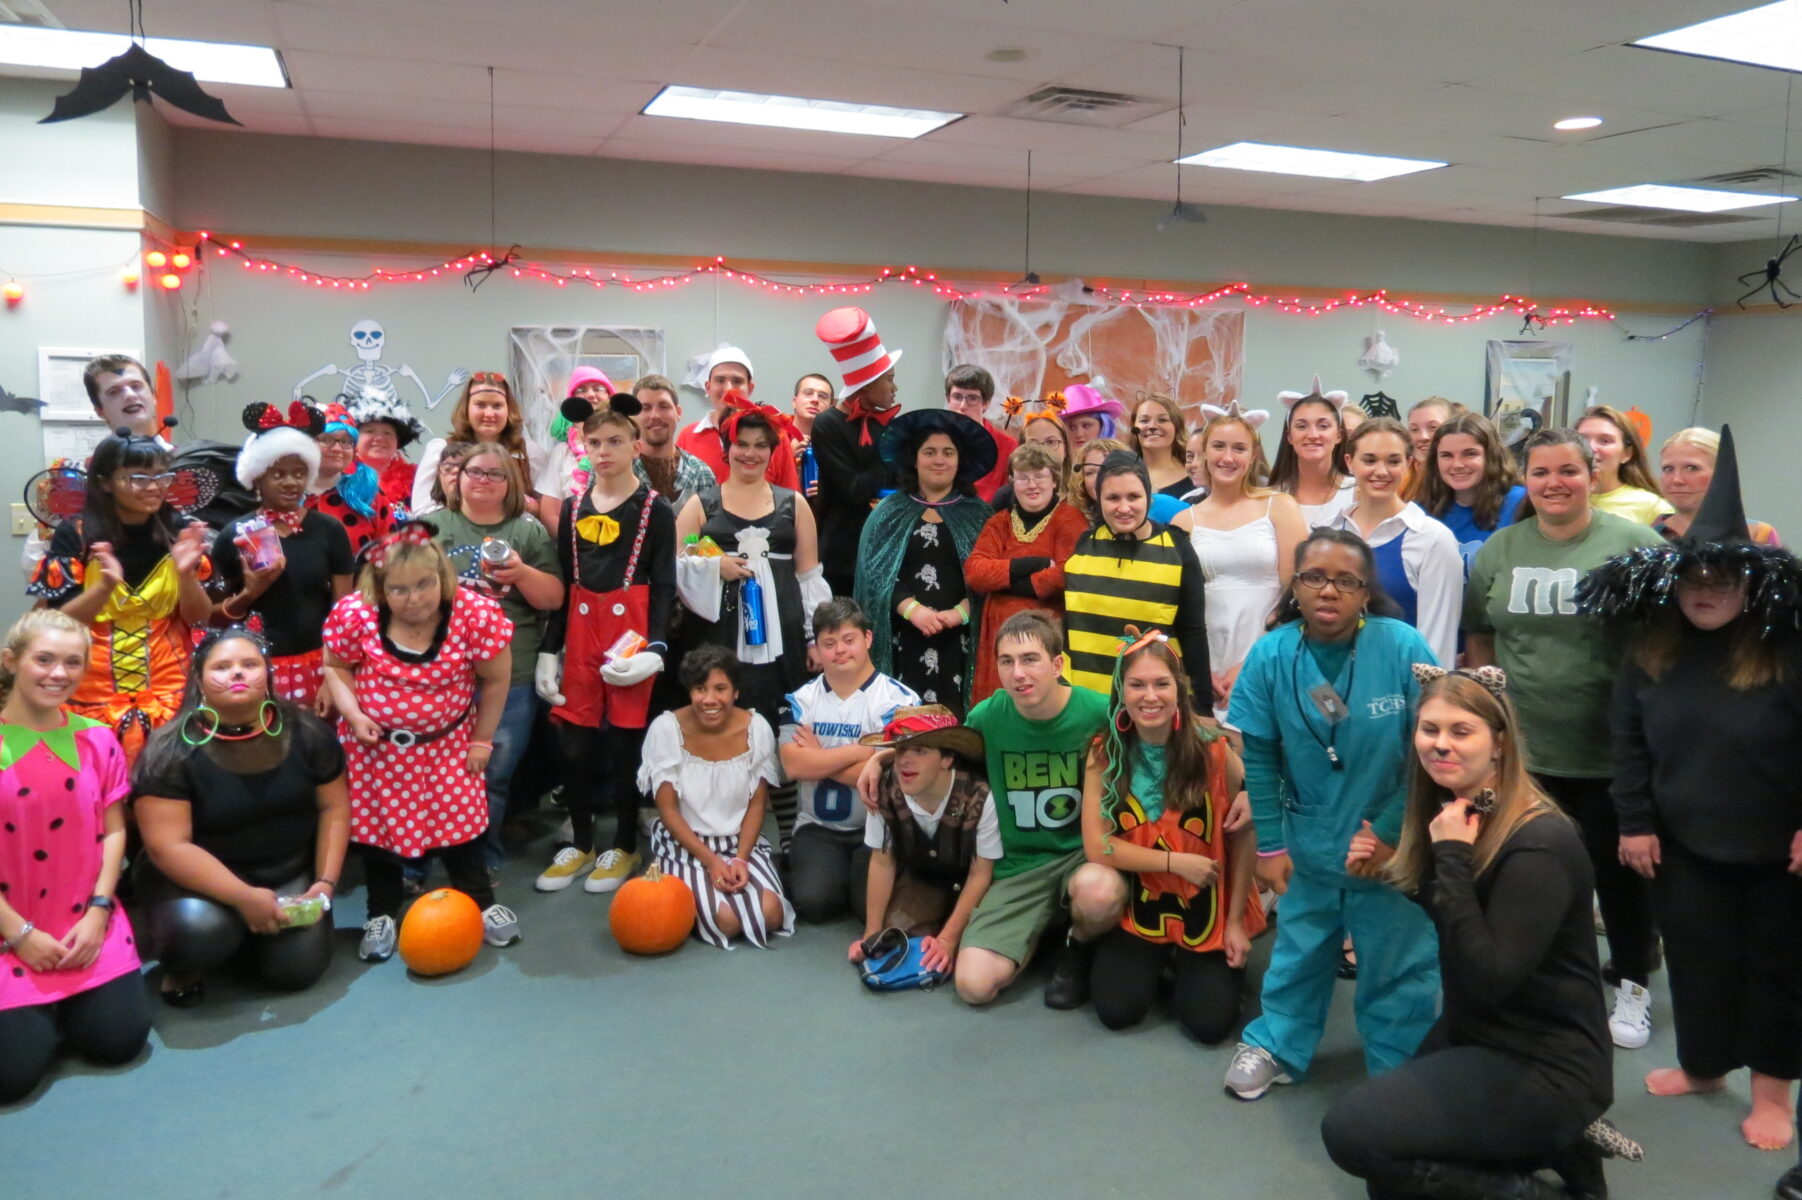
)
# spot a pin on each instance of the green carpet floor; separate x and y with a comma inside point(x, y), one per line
point(562, 1067)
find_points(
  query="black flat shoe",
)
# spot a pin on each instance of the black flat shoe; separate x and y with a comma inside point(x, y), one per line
point(1068, 986)
point(185, 997)
point(1790, 1186)
point(1348, 966)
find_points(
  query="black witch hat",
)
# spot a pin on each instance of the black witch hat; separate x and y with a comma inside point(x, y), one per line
point(1639, 585)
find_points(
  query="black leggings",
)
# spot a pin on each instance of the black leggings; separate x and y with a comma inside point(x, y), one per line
point(465, 863)
point(1625, 897)
point(1730, 933)
point(108, 1024)
point(601, 764)
point(1464, 1105)
point(1205, 992)
point(192, 934)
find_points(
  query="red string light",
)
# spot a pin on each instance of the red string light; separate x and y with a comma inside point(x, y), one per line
point(1516, 307)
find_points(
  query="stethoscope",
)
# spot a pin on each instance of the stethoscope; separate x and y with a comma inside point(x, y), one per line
point(1328, 744)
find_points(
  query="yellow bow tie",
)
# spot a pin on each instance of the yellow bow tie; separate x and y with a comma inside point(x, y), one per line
point(599, 529)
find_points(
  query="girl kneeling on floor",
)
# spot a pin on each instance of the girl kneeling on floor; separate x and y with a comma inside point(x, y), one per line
point(418, 669)
point(1156, 796)
point(710, 765)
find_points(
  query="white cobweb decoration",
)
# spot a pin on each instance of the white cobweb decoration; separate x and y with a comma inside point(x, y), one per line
point(1034, 346)
point(543, 356)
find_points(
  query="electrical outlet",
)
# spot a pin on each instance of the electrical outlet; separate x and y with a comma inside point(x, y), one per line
point(23, 523)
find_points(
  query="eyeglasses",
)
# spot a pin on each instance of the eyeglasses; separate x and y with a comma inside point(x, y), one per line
point(485, 474)
point(1315, 580)
point(144, 483)
point(488, 377)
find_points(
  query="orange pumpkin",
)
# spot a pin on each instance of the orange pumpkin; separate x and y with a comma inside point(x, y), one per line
point(652, 914)
point(441, 933)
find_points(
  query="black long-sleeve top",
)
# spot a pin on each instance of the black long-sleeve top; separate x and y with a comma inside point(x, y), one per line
point(851, 477)
point(1517, 959)
point(603, 568)
point(1712, 767)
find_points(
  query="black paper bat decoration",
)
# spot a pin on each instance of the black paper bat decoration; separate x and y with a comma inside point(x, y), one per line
point(142, 74)
point(18, 404)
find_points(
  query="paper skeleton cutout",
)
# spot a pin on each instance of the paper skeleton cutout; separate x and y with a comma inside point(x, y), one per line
point(369, 381)
point(212, 363)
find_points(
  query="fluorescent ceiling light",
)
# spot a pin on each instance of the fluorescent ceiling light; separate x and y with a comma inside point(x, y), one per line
point(1684, 199)
point(1573, 123)
point(210, 62)
point(1767, 36)
point(795, 112)
point(1295, 160)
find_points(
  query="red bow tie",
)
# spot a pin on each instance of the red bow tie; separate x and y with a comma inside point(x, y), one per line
point(860, 411)
point(287, 522)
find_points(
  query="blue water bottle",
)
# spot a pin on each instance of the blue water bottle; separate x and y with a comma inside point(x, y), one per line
point(810, 471)
point(750, 598)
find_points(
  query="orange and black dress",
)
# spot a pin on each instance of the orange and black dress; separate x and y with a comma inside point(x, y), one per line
point(1169, 921)
point(139, 662)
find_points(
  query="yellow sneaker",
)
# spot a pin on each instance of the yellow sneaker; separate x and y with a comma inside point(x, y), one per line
point(569, 863)
point(613, 868)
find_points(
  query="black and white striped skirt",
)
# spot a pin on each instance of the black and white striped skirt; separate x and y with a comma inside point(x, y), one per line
point(747, 905)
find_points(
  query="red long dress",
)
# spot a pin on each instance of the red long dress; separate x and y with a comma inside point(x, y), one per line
point(988, 571)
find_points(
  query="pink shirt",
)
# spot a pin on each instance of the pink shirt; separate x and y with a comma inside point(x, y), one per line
point(52, 821)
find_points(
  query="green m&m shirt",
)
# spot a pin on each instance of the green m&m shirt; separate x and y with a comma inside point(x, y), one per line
point(1035, 774)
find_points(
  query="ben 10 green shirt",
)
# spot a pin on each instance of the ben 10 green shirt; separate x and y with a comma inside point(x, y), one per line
point(1035, 774)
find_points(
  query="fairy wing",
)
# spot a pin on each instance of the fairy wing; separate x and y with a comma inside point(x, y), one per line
point(192, 488)
point(57, 494)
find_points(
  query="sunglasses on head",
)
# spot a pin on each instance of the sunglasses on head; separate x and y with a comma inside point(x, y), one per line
point(488, 377)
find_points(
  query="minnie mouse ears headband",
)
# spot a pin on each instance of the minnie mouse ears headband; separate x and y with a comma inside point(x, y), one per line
point(300, 415)
point(1254, 417)
point(1337, 399)
point(576, 410)
point(1493, 679)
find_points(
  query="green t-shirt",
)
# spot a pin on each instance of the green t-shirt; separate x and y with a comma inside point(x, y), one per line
point(1560, 664)
point(1035, 773)
point(462, 542)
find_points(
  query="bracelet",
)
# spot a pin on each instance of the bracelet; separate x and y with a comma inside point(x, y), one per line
point(963, 611)
point(489, 746)
point(11, 945)
point(330, 883)
point(907, 608)
point(1166, 862)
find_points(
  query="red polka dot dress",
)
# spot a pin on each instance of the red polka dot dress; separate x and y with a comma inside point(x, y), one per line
point(404, 798)
point(359, 528)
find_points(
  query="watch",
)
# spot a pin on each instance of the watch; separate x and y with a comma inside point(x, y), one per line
point(105, 902)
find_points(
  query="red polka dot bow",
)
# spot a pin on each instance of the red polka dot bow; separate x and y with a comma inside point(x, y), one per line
point(262, 417)
point(413, 533)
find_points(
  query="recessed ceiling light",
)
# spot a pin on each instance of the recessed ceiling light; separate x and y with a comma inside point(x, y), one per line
point(1684, 199)
point(1572, 123)
point(1764, 36)
point(795, 112)
point(1296, 160)
point(210, 62)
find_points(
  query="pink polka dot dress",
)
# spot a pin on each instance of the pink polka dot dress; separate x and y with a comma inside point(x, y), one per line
point(409, 799)
point(52, 821)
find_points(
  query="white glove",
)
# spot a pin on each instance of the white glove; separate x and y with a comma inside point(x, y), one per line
point(624, 672)
point(546, 678)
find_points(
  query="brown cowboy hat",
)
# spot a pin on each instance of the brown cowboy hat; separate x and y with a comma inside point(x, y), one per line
point(927, 726)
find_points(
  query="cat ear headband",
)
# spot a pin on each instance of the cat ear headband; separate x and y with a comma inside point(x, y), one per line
point(1493, 679)
point(1253, 417)
point(1337, 399)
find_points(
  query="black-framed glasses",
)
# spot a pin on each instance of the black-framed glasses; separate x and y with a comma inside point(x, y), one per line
point(1315, 580)
point(485, 474)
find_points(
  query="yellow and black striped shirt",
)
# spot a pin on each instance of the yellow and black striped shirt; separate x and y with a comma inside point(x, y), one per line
point(1154, 583)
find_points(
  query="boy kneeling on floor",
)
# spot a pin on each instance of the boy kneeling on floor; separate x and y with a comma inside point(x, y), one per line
point(933, 835)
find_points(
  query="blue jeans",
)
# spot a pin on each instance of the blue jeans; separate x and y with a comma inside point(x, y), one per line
point(510, 739)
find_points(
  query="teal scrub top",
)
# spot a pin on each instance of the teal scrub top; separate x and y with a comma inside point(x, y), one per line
point(1321, 808)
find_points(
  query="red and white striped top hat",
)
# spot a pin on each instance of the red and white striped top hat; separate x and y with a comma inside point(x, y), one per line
point(851, 336)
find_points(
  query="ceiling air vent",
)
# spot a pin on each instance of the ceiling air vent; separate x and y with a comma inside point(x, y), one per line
point(1630, 215)
point(1751, 179)
point(27, 12)
point(1080, 106)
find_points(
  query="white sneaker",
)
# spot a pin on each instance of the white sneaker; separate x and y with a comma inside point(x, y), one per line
point(1630, 1025)
point(499, 926)
point(379, 937)
point(1254, 1069)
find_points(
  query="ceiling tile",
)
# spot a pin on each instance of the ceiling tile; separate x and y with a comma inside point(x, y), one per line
point(659, 150)
point(706, 134)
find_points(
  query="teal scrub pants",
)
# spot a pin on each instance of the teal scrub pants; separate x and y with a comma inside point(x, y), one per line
point(1398, 972)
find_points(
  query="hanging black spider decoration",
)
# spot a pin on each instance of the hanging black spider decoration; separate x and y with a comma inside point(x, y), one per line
point(1770, 277)
point(1531, 323)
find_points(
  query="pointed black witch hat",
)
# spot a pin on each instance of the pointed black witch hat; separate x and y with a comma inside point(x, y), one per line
point(1640, 584)
point(1722, 516)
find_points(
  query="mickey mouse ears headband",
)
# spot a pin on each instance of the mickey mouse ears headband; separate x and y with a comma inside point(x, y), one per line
point(300, 415)
point(1337, 399)
point(1493, 679)
point(576, 410)
point(1254, 417)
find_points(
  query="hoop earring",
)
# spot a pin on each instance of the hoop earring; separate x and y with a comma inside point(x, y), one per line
point(210, 733)
point(1123, 721)
point(264, 714)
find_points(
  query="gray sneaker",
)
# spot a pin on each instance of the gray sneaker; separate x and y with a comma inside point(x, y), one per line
point(1254, 1069)
point(378, 940)
point(499, 926)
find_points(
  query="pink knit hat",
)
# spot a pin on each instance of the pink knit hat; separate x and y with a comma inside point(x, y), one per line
point(582, 375)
